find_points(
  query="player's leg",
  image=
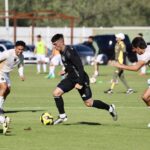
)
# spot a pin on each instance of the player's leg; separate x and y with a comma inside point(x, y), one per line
point(146, 97)
point(123, 80)
point(53, 63)
point(4, 120)
point(8, 83)
point(51, 73)
point(43, 62)
point(6, 93)
point(38, 64)
point(3, 89)
point(64, 86)
point(114, 80)
point(86, 95)
point(96, 67)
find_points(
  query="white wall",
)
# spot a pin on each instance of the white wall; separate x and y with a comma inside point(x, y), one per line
point(25, 33)
point(80, 34)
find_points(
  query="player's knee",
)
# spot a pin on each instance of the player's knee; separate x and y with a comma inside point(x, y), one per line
point(88, 103)
point(145, 98)
point(56, 93)
point(3, 90)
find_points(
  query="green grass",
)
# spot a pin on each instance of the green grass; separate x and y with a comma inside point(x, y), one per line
point(86, 128)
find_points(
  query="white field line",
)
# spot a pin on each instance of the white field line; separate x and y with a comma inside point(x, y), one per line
point(52, 107)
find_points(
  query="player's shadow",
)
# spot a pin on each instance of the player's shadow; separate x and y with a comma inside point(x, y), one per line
point(126, 93)
point(7, 134)
point(84, 123)
point(17, 111)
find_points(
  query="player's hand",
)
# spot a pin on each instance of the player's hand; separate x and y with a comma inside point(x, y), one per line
point(22, 78)
point(114, 63)
point(78, 86)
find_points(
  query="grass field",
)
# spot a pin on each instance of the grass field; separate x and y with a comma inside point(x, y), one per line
point(86, 128)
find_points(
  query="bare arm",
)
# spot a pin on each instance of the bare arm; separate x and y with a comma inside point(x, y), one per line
point(136, 67)
point(21, 68)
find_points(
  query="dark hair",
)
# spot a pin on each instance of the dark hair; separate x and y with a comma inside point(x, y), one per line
point(91, 37)
point(139, 42)
point(57, 37)
point(20, 43)
point(39, 36)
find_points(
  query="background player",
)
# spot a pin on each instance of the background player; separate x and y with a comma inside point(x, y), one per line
point(120, 56)
point(55, 60)
point(41, 52)
point(139, 47)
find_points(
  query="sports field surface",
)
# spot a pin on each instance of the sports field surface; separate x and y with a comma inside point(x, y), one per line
point(86, 128)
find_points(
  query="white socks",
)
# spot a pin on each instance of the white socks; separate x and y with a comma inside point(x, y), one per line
point(52, 70)
point(44, 67)
point(62, 115)
point(110, 109)
point(38, 68)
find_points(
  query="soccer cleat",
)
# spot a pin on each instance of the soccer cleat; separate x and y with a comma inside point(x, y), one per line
point(6, 125)
point(50, 76)
point(113, 113)
point(129, 91)
point(60, 120)
point(109, 91)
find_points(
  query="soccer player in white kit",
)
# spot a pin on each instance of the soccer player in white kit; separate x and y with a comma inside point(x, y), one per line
point(55, 60)
point(140, 47)
point(8, 60)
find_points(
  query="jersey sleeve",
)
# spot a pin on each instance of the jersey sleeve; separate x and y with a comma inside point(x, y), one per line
point(3, 56)
point(144, 57)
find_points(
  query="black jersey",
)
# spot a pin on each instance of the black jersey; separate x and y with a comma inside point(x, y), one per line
point(73, 65)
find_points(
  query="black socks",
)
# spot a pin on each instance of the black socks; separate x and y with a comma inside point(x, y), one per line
point(100, 105)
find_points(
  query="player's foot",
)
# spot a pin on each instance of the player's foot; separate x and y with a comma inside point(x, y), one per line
point(6, 124)
point(109, 91)
point(113, 112)
point(96, 74)
point(60, 120)
point(129, 91)
point(50, 76)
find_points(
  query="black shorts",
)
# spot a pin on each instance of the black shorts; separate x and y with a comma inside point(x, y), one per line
point(67, 85)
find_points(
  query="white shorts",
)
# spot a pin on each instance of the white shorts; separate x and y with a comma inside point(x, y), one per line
point(101, 58)
point(40, 57)
point(5, 78)
point(56, 60)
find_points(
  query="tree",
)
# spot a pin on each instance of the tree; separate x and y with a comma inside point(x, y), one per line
point(90, 13)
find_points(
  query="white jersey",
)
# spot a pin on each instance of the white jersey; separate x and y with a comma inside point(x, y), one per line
point(145, 56)
point(8, 60)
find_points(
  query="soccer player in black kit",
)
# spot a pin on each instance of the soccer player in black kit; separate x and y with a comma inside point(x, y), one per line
point(76, 78)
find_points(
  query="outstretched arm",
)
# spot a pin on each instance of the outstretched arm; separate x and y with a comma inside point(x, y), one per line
point(135, 67)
